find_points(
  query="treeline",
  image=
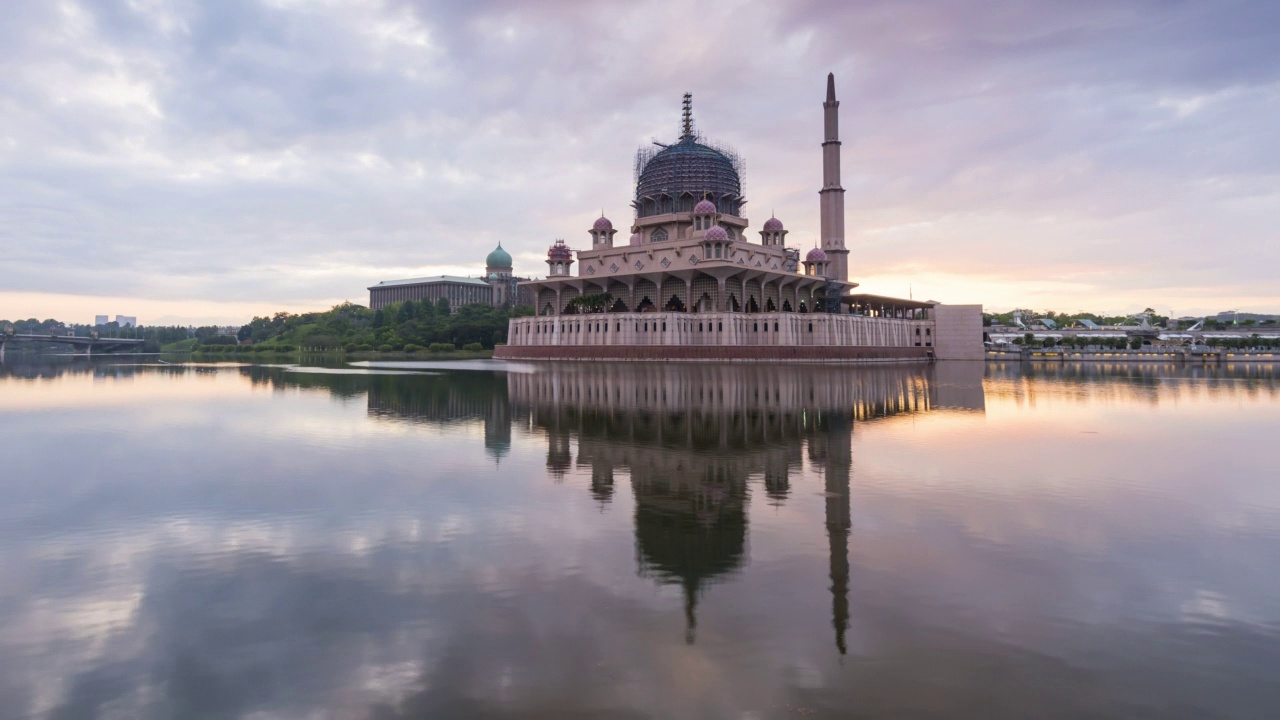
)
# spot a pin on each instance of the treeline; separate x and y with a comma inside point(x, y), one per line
point(155, 336)
point(409, 325)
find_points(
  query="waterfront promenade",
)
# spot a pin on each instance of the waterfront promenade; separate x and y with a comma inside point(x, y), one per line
point(1200, 355)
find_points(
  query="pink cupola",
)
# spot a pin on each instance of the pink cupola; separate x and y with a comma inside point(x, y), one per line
point(773, 234)
point(815, 262)
point(602, 233)
point(704, 215)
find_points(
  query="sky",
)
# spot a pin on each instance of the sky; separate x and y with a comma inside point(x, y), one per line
point(204, 162)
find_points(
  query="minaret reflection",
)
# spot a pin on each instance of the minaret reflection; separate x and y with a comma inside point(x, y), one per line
point(691, 437)
point(831, 448)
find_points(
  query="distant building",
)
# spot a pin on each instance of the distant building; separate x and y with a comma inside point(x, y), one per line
point(121, 320)
point(497, 287)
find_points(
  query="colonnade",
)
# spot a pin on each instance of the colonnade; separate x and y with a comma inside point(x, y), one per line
point(720, 328)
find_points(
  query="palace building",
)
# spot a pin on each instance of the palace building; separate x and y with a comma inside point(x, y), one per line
point(690, 284)
point(498, 286)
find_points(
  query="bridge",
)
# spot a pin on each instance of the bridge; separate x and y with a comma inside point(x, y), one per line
point(88, 343)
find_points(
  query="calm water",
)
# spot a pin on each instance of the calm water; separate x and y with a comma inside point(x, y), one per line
point(522, 541)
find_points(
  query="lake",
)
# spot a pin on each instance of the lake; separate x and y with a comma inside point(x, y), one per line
point(489, 540)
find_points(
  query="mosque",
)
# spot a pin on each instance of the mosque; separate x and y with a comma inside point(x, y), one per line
point(689, 284)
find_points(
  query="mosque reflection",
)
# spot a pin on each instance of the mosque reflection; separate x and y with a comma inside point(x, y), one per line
point(691, 439)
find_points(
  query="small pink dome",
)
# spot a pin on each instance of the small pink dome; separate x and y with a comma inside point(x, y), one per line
point(716, 234)
point(602, 223)
point(816, 255)
point(635, 238)
point(559, 251)
point(773, 224)
point(704, 207)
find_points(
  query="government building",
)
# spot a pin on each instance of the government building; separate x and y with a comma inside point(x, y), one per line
point(498, 286)
point(690, 284)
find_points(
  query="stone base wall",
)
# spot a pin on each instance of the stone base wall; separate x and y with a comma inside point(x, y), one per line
point(715, 353)
point(721, 329)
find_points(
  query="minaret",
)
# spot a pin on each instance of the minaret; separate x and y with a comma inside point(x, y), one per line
point(831, 194)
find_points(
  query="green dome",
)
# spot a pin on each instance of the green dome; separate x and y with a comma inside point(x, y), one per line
point(498, 258)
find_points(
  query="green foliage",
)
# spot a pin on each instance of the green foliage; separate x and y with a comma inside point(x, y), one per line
point(216, 340)
point(357, 329)
point(473, 347)
point(441, 347)
point(412, 347)
point(595, 303)
point(385, 348)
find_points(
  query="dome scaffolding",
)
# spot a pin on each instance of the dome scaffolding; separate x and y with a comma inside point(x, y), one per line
point(671, 178)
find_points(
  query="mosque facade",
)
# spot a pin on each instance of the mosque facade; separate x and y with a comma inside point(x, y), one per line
point(689, 284)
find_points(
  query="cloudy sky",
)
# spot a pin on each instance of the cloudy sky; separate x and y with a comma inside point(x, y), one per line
point(192, 161)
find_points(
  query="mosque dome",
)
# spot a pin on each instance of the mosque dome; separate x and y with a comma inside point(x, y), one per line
point(635, 238)
point(816, 255)
point(704, 207)
point(687, 167)
point(602, 223)
point(493, 276)
point(716, 234)
point(498, 258)
point(773, 224)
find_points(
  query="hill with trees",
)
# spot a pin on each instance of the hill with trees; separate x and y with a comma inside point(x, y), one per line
point(407, 325)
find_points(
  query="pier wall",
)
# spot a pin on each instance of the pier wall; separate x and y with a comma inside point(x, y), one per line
point(714, 353)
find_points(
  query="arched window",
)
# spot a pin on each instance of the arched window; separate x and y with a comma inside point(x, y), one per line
point(718, 250)
point(659, 235)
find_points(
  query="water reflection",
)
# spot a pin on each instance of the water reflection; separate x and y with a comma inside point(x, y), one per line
point(689, 438)
point(637, 541)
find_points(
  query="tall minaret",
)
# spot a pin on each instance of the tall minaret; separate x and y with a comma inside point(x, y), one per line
point(831, 194)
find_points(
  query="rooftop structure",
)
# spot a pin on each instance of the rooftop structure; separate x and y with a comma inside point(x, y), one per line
point(498, 286)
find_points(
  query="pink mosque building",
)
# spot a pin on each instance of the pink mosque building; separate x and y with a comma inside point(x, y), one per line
point(690, 285)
